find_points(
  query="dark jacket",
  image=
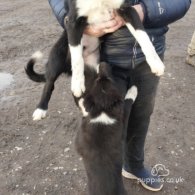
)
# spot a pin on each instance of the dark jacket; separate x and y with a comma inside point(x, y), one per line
point(120, 48)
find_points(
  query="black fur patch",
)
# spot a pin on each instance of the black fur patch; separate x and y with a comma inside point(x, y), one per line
point(100, 145)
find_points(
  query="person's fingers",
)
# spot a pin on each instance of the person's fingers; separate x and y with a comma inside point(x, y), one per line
point(108, 24)
point(113, 29)
point(119, 19)
point(119, 22)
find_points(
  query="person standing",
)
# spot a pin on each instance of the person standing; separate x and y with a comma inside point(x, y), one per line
point(120, 49)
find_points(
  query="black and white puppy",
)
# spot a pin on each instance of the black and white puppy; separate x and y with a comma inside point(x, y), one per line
point(100, 139)
point(81, 13)
point(84, 12)
point(58, 63)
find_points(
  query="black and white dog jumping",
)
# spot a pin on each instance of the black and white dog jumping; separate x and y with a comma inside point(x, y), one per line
point(69, 48)
point(100, 138)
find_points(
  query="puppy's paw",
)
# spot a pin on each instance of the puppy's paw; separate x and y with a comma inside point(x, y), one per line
point(39, 114)
point(156, 65)
point(132, 93)
point(78, 85)
point(158, 69)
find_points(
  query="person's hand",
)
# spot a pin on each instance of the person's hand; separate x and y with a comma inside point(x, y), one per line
point(112, 25)
point(109, 26)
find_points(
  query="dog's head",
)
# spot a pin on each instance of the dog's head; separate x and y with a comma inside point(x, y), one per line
point(103, 95)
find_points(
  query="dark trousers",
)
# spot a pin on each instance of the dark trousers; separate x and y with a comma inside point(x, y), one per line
point(139, 119)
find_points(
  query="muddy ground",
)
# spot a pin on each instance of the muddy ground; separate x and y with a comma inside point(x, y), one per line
point(39, 157)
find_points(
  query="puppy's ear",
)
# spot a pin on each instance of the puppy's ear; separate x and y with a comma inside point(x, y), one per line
point(89, 103)
point(90, 77)
point(105, 70)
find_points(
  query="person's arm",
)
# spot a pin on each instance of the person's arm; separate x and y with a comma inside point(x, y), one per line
point(163, 12)
point(60, 9)
point(153, 13)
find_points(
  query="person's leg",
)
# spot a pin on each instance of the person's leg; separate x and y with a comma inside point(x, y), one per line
point(142, 109)
point(121, 79)
point(190, 59)
point(139, 120)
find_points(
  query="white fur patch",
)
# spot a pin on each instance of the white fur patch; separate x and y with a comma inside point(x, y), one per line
point(81, 105)
point(39, 114)
point(154, 61)
point(131, 93)
point(37, 55)
point(104, 119)
point(78, 79)
point(97, 10)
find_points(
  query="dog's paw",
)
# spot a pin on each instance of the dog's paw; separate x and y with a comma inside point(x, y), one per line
point(78, 85)
point(159, 69)
point(39, 114)
point(132, 93)
point(156, 65)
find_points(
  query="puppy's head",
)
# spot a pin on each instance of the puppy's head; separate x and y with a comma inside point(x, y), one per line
point(103, 95)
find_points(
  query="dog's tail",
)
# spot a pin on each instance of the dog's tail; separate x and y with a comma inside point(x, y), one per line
point(29, 68)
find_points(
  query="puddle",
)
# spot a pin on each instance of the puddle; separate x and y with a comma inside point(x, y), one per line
point(5, 80)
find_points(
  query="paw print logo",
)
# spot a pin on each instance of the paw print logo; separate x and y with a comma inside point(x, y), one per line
point(160, 170)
